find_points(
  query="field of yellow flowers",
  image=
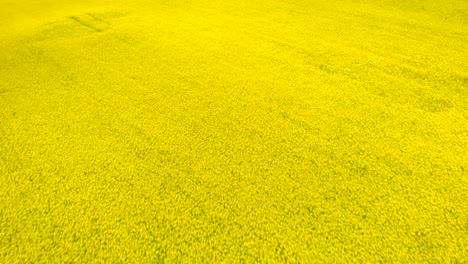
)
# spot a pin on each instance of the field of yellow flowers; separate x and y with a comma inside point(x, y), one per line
point(222, 131)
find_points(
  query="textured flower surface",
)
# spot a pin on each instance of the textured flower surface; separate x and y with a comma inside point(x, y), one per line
point(271, 131)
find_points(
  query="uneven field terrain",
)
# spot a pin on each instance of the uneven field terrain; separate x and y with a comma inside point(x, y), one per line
point(234, 131)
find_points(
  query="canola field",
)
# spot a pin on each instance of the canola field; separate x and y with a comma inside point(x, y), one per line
point(221, 131)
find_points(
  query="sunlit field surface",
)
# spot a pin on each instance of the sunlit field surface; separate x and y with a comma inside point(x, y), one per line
point(271, 131)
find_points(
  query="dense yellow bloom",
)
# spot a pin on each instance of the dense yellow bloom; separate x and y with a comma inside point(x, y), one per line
point(234, 131)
